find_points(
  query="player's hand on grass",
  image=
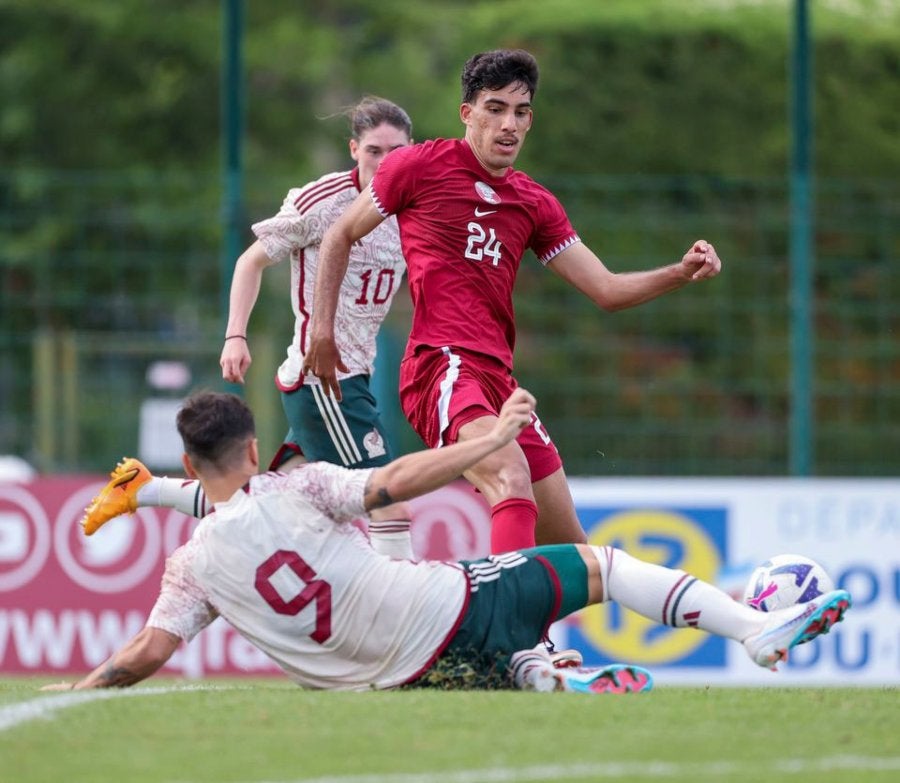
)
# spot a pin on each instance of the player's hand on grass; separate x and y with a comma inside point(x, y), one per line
point(701, 261)
point(235, 359)
point(323, 359)
point(58, 686)
point(515, 415)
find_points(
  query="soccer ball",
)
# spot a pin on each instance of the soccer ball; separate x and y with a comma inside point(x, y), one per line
point(786, 580)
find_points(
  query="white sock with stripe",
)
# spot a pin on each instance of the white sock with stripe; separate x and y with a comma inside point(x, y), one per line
point(532, 670)
point(391, 537)
point(184, 495)
point(673, 598)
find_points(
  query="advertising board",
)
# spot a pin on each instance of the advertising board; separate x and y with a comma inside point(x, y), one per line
point(68, 601)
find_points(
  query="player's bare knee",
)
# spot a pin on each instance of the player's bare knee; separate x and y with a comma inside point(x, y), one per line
point(502, 475)
point(513, 476)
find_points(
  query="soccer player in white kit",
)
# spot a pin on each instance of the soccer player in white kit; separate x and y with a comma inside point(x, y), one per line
point(280, 560)
point(348, 432)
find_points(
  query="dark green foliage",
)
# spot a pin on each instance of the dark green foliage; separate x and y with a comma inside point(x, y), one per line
point(656, 123)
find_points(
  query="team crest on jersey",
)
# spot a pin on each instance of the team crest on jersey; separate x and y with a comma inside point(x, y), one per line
point(374, 444)
point(487, 193)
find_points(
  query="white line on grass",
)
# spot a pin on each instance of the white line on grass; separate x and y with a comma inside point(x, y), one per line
point(45, 707)
point(618, 769)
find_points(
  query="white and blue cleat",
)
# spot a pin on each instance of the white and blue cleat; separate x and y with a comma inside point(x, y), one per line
point(533, 670)
point(786, 628)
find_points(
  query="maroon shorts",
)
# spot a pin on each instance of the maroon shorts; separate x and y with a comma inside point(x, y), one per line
point(441, 389)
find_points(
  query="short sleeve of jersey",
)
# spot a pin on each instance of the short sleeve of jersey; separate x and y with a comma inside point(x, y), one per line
point(289, 229)
point(555, 232)
point(335, 491)
point(394, 179)
point(181, 608)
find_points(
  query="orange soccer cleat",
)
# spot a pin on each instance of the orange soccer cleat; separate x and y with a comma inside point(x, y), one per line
point(118, 497)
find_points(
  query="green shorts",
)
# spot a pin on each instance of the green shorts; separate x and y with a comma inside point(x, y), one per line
point(513, 599)
point(348, 433)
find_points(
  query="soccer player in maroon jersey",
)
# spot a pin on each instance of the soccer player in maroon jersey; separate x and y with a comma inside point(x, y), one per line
point(466, 218)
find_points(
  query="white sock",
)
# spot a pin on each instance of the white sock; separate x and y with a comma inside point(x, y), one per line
point(184, 495)
point(391, 537)
point(532, 670)
point(673, 598)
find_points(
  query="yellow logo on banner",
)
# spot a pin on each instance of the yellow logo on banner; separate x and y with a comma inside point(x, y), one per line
point(661, 537)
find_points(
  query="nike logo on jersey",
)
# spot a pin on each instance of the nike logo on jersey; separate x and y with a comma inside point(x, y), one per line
point(482, 212)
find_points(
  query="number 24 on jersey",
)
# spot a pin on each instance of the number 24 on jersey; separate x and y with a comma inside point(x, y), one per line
point(483, 244)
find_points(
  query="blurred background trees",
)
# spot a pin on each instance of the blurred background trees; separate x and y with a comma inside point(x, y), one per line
point(656, 123)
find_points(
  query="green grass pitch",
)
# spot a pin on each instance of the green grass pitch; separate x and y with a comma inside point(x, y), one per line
point(268, 731)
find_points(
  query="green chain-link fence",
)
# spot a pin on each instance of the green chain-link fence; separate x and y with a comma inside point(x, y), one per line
point(104, 274)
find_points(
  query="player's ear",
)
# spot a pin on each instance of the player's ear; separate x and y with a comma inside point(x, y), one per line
point(465, 112)
point(354, 149)
point(253, 453)
point(188, 467)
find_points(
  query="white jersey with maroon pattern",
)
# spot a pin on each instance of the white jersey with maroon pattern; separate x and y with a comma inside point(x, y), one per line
point(282, 562)
point(463, 233)
point(373, 276)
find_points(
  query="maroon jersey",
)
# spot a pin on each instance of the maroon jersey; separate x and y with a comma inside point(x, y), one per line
point(463, 233)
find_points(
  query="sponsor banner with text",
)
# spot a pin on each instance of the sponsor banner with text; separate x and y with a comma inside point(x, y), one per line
point(68, 601)
point(719, 530)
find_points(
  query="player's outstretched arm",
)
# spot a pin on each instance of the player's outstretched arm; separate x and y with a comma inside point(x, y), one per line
point(322, 358)
point(245, 283)
point(612, 291)
point(423, 471)
point(147, 651)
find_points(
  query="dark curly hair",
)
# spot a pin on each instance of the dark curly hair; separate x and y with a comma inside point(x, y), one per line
point(214, 428)
point(497, 69)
